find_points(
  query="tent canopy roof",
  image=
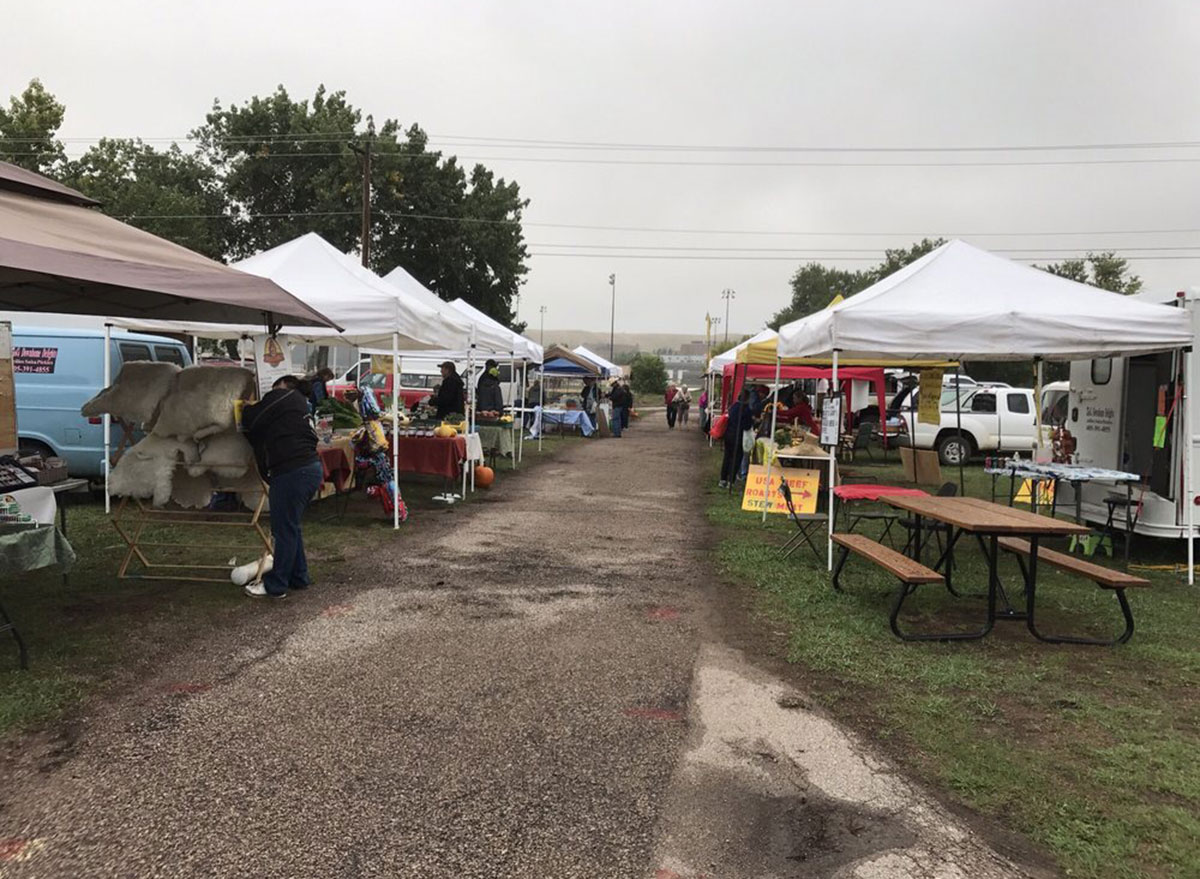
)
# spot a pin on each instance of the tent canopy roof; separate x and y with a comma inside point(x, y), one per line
point(962, 303)
point(561, 360)
point(58, 255)
point(765, 352)
point(607, 367)
point(719, 361)
point(523, 348)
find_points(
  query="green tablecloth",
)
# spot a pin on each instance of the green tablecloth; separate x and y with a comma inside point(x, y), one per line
point(28, 549)
point(496, 437)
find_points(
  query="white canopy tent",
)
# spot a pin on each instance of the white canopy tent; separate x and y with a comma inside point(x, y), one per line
point(607, 367)
point(962, 303)
point(718, 362)
point(489, 336)
point(372, 312)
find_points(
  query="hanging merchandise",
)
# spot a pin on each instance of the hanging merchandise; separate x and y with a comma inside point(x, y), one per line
point(929, 399)
point(371, 450)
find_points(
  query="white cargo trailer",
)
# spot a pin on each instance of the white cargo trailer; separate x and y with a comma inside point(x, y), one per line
point(1114, 405)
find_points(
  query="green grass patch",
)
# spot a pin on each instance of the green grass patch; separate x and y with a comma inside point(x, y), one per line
point(1088, 751)
point(84, 634)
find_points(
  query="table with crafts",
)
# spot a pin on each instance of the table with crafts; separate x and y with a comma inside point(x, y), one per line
point(571, 418)
point(987, 522)
point(1073, 474)
point(31, 546)
point(433, 455)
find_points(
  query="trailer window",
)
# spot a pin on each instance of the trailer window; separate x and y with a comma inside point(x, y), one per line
point(1101, 370)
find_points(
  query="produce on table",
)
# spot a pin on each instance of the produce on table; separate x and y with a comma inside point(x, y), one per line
point(444, 430)
point(344, 415)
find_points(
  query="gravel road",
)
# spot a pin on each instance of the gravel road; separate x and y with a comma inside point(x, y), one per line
point(532, 685)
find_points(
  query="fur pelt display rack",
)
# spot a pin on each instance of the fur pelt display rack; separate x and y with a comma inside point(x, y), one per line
point(165, 481)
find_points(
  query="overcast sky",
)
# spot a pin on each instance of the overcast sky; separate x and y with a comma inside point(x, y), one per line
point(771, 74)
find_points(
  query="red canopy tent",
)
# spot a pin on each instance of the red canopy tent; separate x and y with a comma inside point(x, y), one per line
point(736, 374)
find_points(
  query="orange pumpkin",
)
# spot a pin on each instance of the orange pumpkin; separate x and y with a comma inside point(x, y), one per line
point(484, 476)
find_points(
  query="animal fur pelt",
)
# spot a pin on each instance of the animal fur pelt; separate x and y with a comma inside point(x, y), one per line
point(191, 492)
point(136, 393)
point(147, 470)
point(200, 402)
point(227, 455)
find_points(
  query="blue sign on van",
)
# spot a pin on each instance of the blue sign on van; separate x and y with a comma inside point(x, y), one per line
point(35, 360)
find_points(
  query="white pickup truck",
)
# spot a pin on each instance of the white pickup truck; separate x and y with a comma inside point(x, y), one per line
point(993, 419)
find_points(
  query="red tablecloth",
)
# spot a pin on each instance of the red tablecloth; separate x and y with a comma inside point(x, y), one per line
point(336, 465)
point(436, 455)
point(869, 492)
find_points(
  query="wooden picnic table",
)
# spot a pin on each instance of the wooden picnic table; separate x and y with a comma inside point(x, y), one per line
point(988, 522)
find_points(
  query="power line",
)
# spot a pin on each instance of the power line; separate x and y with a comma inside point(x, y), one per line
point(397, 215)
point(538, 143)
point(839, 250)
point(674, 163)
point(815, 258)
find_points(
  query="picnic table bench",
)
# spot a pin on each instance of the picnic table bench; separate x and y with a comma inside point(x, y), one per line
point(1104, 578)
point(908, 571)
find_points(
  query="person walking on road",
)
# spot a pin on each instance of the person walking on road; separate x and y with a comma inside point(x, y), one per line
point(285, 447)
point(672, 409)
point(740, 420)
point(620, 407)
point(703, 404)
point(683, 402)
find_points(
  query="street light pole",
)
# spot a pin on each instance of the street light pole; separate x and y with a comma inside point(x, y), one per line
point(612, 280)
point(727, 295)
point(542, 327)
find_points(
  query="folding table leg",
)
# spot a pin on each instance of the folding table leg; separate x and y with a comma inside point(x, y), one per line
point(6, 624)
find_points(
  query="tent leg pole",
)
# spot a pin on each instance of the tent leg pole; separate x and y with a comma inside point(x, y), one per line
point(962, 484)
point(771, 454)
point(541, 405)
point(395, 432)
point(1189, 452)
point(107, 418)
point(512, 395)
point(833, 383)
point(1037, 409)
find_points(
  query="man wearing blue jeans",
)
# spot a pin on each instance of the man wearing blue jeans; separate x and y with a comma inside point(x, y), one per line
point(285, 446)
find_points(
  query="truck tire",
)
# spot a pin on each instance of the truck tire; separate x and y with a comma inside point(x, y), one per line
point(952, 451)
point(35, 447)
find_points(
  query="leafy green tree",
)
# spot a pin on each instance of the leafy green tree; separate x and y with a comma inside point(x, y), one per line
point(28, 128)
point(1104, 270)
point(172, 194)
point(295, 166)
point(648, 374)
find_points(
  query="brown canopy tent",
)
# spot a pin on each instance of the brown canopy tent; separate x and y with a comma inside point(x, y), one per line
point(60, 255)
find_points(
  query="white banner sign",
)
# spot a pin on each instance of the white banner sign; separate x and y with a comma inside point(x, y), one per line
point(831, 420)
point(271, 361)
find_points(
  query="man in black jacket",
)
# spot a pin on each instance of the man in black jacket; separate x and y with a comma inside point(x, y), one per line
point(619, 398)
point(285, 445)
point(450, 395)
point(489, 397)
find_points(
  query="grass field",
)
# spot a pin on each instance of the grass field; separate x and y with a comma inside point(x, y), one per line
point(1089, 751)
point(85, 635)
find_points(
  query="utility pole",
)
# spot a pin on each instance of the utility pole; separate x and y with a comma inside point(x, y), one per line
point(727, 295)
point(612, 280)
point(542, 328)
point(364, 153)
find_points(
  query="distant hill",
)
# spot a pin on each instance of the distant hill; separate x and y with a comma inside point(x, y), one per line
point(623, 342)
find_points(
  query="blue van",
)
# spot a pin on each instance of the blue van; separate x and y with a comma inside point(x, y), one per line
point(56, 371)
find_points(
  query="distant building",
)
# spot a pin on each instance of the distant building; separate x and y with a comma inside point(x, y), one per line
point(697, 348)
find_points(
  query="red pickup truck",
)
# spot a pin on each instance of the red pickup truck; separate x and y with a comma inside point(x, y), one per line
point(414, 387)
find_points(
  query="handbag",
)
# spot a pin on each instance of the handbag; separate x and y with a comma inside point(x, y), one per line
point(748, 441)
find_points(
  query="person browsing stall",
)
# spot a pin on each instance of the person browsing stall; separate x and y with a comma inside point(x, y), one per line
point(285, 447)
point(488, 395)
point(449, 397)
point(620, 407)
